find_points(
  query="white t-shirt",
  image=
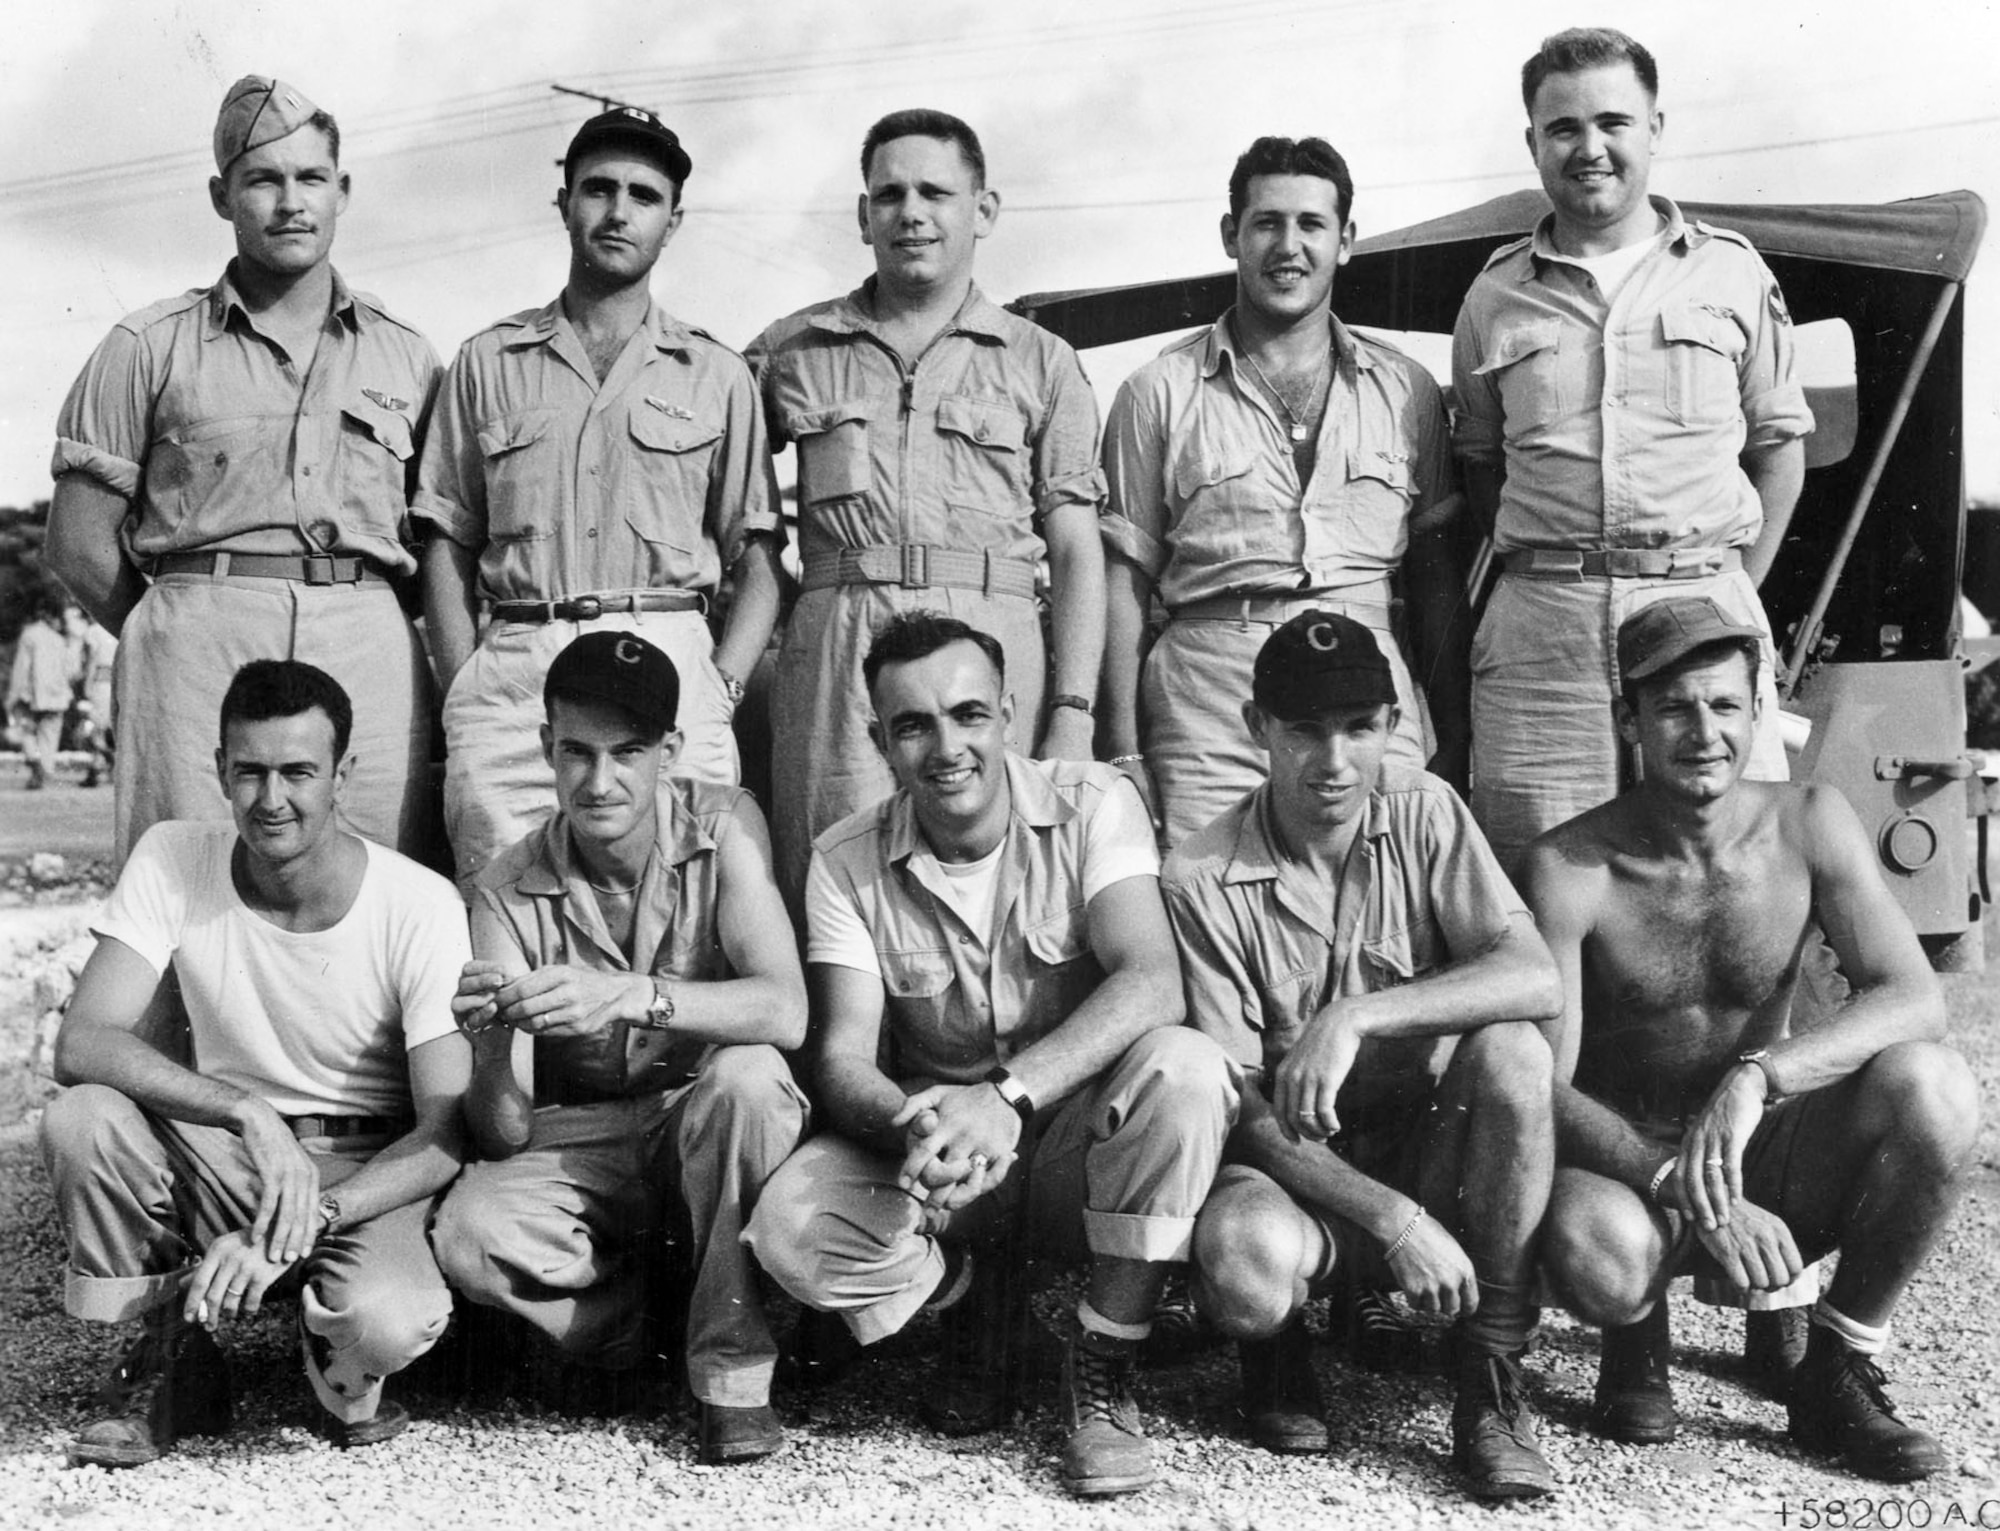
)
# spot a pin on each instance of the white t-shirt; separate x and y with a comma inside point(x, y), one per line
point(1117, 844)
point(316, 1023)
point(1612, 271)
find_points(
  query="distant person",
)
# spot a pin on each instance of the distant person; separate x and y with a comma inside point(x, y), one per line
point(42, 686)
point(94, 705)
point(595, 465)
point(997, 1054)
point(1274, 463)
point(306, 1141)
point(945, 448)
point(1346, 934)
point(232, 483)
point(633, 979)
point(1696, 1132)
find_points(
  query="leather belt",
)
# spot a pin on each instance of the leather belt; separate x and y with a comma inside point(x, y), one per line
point(307, 569)
point(346, 1126)
point(1621, 563)
point(915, 565)
point(588, 608)
point(1276, 610)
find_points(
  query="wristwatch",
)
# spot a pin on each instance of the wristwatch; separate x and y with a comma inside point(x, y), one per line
point(660, 1013)
point(731, 686)
point(1012, 1093)
point(329, 1214)
point(1760, 1060)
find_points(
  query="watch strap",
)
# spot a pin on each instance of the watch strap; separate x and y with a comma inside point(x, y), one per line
point(1012, 1093)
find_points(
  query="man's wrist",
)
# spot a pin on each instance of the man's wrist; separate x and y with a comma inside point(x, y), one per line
point(656, 1004)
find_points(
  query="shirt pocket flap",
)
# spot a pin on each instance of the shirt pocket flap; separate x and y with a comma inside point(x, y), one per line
point(1519, 341)
point(817, 422)
point(989, 422)
point(921, 974)
point(1692, 323)
point(1388, 468)
point(386, 426)
point(504, 436)
point(1207, 462)
point(670, 433)
point(1061, 938)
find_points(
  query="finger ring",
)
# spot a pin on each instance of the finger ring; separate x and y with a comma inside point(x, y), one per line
point(1711, 1161)
point(979, 1161)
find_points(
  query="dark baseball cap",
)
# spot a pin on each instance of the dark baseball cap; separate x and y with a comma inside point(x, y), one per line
point(631, 125)
point(621, 669)
point(1317, 662)
point(1657, 635)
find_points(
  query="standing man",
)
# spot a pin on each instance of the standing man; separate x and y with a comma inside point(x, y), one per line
point(944, 448)
point(1630, 429)
point(595, 464)
point(233, 471)
point(1695, 1131)
point(1346, 934)
point(319, 1119)
point(42, 685)
point(999, 918)
point(1273, 463)
point(634, 978)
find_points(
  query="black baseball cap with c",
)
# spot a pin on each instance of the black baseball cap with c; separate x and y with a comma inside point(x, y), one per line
point(1318, 662)
point(622, 670)
point(632, 125)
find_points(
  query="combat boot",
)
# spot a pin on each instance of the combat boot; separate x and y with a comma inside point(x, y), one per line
point(1839, 1407)
point(1106, 1450)
point(1493, 1430)
point(1281, 1399)
point(172, 1381)
point(1635, 1395)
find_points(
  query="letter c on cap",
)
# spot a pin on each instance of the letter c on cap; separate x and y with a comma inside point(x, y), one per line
point(627, 651)
point(1322, 637)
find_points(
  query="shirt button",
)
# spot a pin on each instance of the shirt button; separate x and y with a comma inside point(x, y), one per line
point(325, 533)
point(309, 471)
point(592, 532)
point(965, 940)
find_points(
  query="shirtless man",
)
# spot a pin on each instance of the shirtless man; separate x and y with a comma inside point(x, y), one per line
point(1693, 1133)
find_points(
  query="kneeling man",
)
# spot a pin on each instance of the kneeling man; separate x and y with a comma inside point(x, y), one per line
point(1002, 917)
point(634, 978)
point(1346, 932)
point(319, 1115)
point(1694, 1134)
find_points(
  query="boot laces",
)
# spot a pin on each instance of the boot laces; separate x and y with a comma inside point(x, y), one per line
point(1099, 1384)
point(1860, 1381)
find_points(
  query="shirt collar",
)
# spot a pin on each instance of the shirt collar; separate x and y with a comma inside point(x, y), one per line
point(680, 839)
point(547, 322)
point(855, 315)
point(1033, 802)
point(1221, 344)
point(1256, 857)
point(224, 299)
point(1677, 231)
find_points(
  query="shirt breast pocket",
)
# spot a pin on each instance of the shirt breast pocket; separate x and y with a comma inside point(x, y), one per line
point(375, 449)
point(920, 991)
point(1525, 365)
point(673, 461)
point(1704, 348)
point(1214, 517)
point(983, 442)
point(1396, 957)
point(833, 451)
point(1061, 939)
point(187, 465)
point(518, 459)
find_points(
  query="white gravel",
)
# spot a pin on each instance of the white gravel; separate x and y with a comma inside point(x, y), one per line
point(859, 1458)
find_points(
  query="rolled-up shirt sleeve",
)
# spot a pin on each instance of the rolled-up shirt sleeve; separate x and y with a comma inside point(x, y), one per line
point(451, 479)
point(1478, 418)
point(1222, 1000)
point(1134, 518)
point(1065, 454)
point(1774, 401)
point(106, 421)
point(743, 490)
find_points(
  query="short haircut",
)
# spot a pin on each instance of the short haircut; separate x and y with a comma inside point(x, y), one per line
point(1291, 156)
point(915, 635)
point(284, 688)
point(1707, 653)
point(325, 123)
point(1582, 48)
point(923, 122)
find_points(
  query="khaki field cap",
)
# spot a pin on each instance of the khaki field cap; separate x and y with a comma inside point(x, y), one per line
point(1318, 662)
point(1654, 636)
point(257, 111)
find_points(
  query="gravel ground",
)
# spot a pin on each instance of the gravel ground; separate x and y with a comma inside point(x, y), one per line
point(858, 1457)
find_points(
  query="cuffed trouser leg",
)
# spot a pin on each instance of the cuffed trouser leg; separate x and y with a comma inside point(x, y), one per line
point(731, 1128)
point(373, 1301)
point(1197, 746)
point(550, 1234)
point(497, 785)
point(1118, 1169)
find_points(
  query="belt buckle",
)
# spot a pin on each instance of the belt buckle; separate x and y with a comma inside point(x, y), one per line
point(319, 569)
point(586, 608)
point(1624, 563)
point(916, 565)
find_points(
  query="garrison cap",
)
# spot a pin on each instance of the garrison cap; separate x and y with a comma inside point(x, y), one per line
point(258, 110)
point(620, 669)
point(633, 125)
point(1657, 635)
point(1318, 661)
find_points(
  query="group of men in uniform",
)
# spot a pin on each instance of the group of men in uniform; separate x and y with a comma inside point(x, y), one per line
point(1328, 1039)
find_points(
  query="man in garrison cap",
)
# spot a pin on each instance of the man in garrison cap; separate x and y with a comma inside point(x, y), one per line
point(1347, 936)
point(596, 465)
point(232, 477)
point(633, 980)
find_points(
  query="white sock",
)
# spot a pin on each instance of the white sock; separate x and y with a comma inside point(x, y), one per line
point(1095, 1322)
point(1856, 1337)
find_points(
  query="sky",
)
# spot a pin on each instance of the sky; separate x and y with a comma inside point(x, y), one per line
point(1110, 130)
